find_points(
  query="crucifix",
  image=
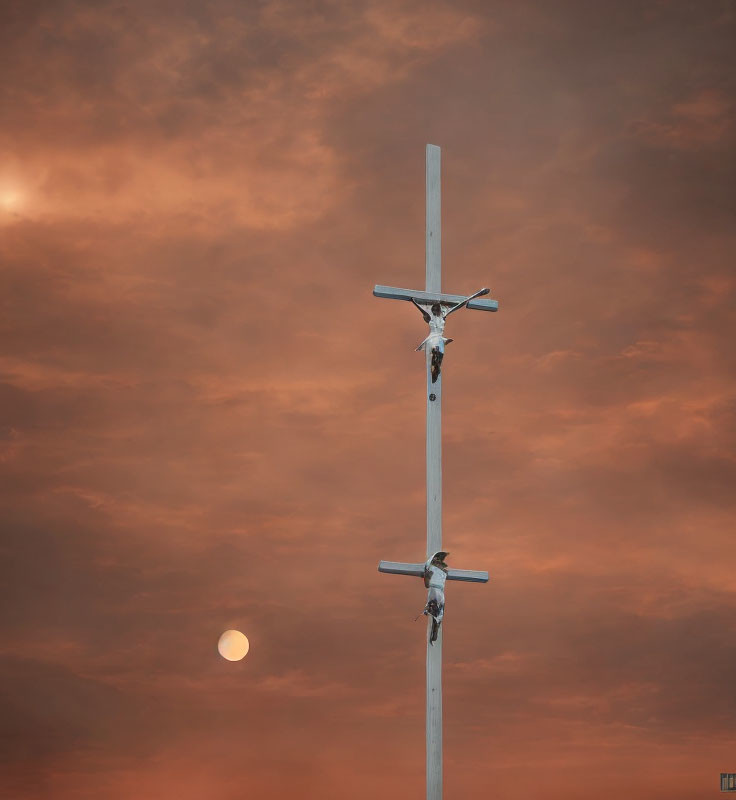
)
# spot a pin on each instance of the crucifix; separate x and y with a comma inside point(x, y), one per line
point(435, 307)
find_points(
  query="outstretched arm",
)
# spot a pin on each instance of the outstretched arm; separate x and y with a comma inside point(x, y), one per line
point(465, 302)
point(422, 311)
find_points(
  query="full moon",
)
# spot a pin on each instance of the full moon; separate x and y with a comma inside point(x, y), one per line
point(233, 645)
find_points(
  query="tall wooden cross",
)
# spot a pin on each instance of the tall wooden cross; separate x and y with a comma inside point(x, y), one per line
point(435, 307)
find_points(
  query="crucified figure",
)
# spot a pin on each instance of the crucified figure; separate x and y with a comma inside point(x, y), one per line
point(435, 575)
point(436, 340)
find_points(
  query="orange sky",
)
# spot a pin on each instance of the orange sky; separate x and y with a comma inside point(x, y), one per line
point(208, 422)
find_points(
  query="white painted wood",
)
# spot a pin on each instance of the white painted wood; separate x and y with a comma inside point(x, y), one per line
point(400, 568)
point(470, 575)
point(433, 248)
point(434, 716)
point(417, 571)
point(434, 479)
point(434, 460)
point(394, 293)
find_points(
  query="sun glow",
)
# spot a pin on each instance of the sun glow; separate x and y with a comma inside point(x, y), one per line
point(11, 198)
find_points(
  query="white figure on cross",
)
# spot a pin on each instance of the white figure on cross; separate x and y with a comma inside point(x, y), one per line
point(436, 340)
point(435, 575)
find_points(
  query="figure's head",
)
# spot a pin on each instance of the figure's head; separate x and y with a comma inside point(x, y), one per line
point(436, 310)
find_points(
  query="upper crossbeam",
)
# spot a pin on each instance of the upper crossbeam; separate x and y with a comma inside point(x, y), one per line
point(393, 293)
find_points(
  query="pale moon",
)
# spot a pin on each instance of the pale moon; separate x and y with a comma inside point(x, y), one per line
point(233, 645)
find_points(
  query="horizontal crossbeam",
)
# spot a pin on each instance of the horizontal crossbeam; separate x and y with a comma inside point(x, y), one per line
point(392, 293)
point(469, 575)
point(398, 568)
point(417, 571)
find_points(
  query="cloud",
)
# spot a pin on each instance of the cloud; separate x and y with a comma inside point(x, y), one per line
point(208, 421)
point(196, 117)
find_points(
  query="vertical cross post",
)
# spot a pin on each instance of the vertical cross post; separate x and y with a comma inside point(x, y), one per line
point(434, 306)
point(433, 264)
